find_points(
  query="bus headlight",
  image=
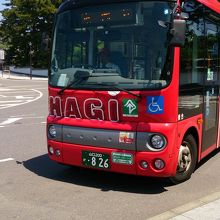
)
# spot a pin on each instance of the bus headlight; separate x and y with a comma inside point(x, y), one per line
point(52, 131)
point(51, 150)
point(158, 142)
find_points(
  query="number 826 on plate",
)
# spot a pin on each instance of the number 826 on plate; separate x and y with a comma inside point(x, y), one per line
point(96, 160)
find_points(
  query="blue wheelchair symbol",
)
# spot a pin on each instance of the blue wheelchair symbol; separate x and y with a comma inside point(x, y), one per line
point(155, 104)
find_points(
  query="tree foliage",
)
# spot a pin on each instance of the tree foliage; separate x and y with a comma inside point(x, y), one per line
point(26, 28)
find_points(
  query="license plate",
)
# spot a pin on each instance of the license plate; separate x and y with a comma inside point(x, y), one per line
point(95, 159)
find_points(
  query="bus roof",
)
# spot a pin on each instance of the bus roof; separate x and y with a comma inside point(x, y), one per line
point(212, 4)
point(68, 4)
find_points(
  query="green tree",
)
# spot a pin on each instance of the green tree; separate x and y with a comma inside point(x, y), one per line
point(27, 27)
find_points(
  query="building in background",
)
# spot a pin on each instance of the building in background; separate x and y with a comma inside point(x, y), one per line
point(2, 58)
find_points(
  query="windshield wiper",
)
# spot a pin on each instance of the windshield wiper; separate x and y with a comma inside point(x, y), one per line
point(119, 88)
point(84, 75)
point(78, 77)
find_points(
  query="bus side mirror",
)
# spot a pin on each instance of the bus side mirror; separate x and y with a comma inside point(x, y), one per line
point(178, 33)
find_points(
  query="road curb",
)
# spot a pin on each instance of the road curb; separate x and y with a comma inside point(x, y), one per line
point(22, 77)
point(187, 207)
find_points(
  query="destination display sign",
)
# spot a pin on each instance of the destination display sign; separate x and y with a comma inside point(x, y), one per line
point(108, 16)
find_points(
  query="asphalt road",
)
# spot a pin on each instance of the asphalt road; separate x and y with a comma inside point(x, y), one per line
point(33, 187)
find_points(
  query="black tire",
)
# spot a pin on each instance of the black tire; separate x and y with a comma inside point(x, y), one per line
point(187, 160)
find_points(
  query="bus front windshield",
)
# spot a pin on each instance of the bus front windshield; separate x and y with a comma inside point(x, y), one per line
point(124, 45)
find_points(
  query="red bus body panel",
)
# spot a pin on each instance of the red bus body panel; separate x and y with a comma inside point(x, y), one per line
point(165, 123)
point(212, 4)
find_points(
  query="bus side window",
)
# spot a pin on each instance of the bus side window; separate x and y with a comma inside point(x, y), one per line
point(192, 63)
point(212, 52)
point(192, 70)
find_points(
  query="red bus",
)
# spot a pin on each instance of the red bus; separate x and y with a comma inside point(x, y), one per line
point(134, 86)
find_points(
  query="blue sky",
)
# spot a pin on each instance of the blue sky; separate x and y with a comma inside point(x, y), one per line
point(2, 7)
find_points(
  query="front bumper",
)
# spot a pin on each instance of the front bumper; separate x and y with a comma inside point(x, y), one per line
point(71, 145)
point(71, 154)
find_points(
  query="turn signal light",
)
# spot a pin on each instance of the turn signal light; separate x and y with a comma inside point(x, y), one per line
point(144, 164)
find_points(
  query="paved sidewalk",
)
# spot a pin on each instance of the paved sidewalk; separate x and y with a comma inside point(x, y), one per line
point(20, 76)
point(206, 208)
point(210, 211)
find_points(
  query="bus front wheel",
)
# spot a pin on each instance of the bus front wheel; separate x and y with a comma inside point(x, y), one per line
point(187, 160)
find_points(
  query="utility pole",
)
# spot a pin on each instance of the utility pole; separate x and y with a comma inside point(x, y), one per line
point(30, 54)
point(2, 57)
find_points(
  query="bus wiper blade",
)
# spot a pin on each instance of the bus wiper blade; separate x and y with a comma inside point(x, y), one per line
point(120, 89)
point(78, 77)
point(84, 75)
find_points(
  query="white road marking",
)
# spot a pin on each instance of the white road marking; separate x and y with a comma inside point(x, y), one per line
point(23, 97)
point(6, 160)
point(5, 105)
point(26, 101)
point(14, 87)
point(9, 121)
point(14, 101)
point(28, 117)
point(5, 90)
point(23, 91)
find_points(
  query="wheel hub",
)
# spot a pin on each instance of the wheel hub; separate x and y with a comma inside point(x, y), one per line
point(184, 160)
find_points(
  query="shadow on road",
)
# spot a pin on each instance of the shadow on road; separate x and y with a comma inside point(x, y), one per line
point(104, 181)
point(207, 158)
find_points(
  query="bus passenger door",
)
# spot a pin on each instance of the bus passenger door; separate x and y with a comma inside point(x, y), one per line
point(211, 89)
point(210, 117)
